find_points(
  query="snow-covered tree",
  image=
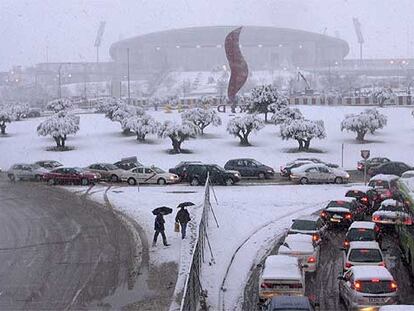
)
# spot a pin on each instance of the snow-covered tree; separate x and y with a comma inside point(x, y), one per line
point(381, 95)
point(201, 117)
point(286, 115)
point(141, 125)
point(177, 132)
point(59, 126)
point(59, 104)
point(242, 127)
point(303, 131)
point(265, 99)
point(19, 111)
point(124, 111)
point(369, 120)
point(5, 117)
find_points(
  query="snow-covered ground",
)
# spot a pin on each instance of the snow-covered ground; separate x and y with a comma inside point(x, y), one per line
point(100, 140)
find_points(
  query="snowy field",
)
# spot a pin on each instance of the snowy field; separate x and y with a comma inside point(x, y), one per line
point(100, 140)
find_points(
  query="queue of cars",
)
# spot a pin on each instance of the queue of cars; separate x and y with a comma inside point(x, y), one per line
point(365, 281)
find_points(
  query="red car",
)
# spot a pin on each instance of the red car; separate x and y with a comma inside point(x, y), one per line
point(70, 175)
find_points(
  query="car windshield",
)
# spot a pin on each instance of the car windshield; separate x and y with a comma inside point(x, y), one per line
point(378, 184)
point(218, 167)
point(300, 224)
point(377, 287)
point(365, 255)
point(392, 208)
point(355, 194)
point(256, 162)
point(158, 170)
point(111, 167)
point(360, 234)
point(53, 164)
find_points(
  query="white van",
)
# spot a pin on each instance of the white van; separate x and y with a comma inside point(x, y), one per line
point(281, 275)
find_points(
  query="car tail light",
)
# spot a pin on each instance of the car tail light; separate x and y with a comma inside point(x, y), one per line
point(348, 265)
point(382, 264)
point(386, 194)
point(315, 237)
point(323, 214)
point(408, 221)
point(375, 280)
point(346, 243)
point(311, 259)
point(393, 286)
point(357, 286)
point(348, 216)
point(265, 285)
point(364, 200)
point(376, 218)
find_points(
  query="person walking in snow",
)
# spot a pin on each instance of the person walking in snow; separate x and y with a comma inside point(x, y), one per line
point(159, 228)
point(183, 217)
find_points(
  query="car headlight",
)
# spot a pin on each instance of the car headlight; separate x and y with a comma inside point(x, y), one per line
point(270, 171)
point(347, 175)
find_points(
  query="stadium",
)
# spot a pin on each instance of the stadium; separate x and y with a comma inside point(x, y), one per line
point(202, 49)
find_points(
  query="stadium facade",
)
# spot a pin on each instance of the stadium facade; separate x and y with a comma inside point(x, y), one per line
point(202, 49)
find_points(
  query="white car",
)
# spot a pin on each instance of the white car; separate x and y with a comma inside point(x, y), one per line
point(318, 173)
point(302, 247)
point(363, 254)
point(281, 275)
point(21, 171)
point(391, 212)
point(148, 175)
point(368, 287)
point(364, 231)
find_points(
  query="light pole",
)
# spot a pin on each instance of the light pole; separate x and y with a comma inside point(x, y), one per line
point(60, 81)
point(129, 89)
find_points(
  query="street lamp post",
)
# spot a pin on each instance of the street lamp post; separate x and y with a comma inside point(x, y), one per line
point(129, 89)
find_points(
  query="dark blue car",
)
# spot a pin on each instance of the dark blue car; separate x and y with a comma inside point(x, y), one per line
point(293, 303)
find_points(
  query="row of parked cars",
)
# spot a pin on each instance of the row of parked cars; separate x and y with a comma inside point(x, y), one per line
point(383, 165)
point(366, 213)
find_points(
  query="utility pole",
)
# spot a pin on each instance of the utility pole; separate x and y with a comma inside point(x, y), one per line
point(358, 32)
point(129, 89)
point(98, 39)
point(59, 81)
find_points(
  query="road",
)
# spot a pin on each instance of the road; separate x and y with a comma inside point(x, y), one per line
point(322, 286)
point(60, 252)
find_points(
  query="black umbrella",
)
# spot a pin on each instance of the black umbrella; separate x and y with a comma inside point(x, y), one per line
point(185, 204)
point(162, 210)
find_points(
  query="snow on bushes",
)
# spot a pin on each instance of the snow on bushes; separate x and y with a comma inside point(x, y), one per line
point(286, 115)
point(6, 116)
point(241, 127)
point(141, 125)
point(177, 132)
point(201, 118)
point(265, 99)
point(19, 111)
point(367, 121)
point(59, 126)
point(381, 95)
point(303, 131)
point(59, 104)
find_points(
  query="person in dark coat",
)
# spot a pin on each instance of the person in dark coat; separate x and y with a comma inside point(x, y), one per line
point(159, 228)
point(183, 217)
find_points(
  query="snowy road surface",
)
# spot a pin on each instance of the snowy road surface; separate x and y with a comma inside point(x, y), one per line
point(60, 252)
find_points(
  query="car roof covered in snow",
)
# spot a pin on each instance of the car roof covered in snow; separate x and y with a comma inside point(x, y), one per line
point(389, 202)
point(362, 225)
point(297, 243)
point(299, 238)
point(366, 273)
point(384, 177)
point(397, 308)
point(337, 209)
point(281, 267)
point(306, 166)
point(364, 244)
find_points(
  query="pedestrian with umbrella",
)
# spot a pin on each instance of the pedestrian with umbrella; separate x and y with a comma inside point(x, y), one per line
point(159, 224)
point(183, 217)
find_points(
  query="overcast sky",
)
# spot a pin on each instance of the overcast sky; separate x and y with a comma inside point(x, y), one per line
point(67, 28)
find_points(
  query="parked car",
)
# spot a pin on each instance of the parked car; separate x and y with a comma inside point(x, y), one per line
point(367, 287)
point(250, 168)
point(181, 167)
point(33, 113)
point(107, 171)
point(365, 195)
point(196, 174)
point(128, 163)
point(407, 175)
point(373, 162)
point(285, 170)
point(318, 161)
point(363, 254)
point(392, 212)
point(385, 185)
point(71, 175)
point(390, 168)
point(362, 231)
point(22, 171)
point(281, 275)
point(149, 175)
point(293, 303)
point(399, 307)
point(342, 212)
point(311, 225)
point(302, 247)
point(318, 173)
point(49, 164)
